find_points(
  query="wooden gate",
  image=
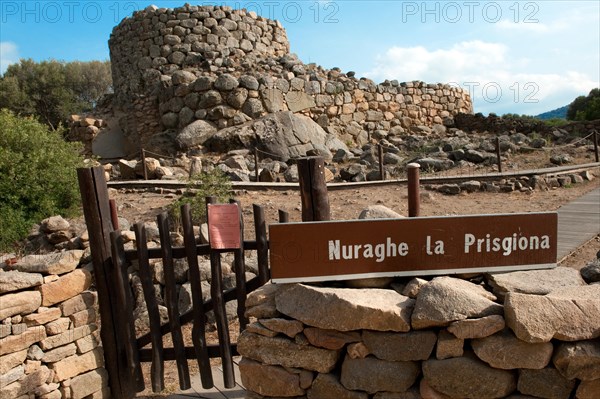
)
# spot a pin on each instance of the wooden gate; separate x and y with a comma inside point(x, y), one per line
point(123, 351)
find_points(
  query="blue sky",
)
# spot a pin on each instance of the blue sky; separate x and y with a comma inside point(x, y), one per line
point(522, 57)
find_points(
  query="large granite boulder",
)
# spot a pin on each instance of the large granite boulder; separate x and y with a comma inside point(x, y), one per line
point(568, 314)
point(468, 377)
point(347, 309)
point(540, 282)
point(195, 134)
point(282, 135)
point(446, 299)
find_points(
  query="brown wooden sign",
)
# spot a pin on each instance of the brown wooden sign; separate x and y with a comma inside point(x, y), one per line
point(319, 251)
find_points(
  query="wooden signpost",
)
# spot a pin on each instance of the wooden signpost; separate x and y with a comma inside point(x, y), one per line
point(320, 251)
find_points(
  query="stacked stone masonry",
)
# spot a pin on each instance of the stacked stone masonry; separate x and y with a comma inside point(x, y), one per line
point(532, 334)
point(49, 340)
point(174, 66)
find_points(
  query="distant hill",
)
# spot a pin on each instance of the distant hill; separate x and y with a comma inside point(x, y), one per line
point(555, 113)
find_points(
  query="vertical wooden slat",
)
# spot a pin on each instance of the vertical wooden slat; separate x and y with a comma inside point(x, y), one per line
point(284, 216)
point(157, 370)
point(199, 317)
point(216, 290)
point(94, 195)
point(240, 273)
point(124, 316)
point(262, 246)
point(171, 301)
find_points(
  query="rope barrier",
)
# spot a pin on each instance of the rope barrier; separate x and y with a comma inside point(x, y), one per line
point(268, 153)
point(159, 155)
point(573, 143)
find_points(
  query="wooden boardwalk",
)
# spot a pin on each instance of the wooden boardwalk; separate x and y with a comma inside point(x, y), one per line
point(218, 391)
point(578, 222)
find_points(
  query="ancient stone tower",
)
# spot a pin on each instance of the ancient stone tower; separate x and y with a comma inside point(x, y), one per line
point(227, 67)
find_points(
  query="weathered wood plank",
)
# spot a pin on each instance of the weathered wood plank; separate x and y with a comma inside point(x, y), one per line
point(262, 246)
point(157, 370)
point(94, 195)
point(313, 189)
point(239, 264)
point(216, 290)
point(171, 301)
point(124, 317)
point(199, 316)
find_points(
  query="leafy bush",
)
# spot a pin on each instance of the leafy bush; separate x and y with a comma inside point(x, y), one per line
point(37, 175)
point(205, 184)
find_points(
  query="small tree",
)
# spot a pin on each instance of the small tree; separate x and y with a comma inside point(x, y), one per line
point(37, 175)
point(205, 184)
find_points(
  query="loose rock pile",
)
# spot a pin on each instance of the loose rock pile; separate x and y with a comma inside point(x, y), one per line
point(49, 339)
point(282, 137)
point(498, 336)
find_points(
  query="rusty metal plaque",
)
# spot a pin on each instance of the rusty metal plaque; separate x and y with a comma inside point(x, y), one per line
point(224, 226)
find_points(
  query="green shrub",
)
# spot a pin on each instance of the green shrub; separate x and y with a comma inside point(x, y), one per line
point(38, 176)
point(205, 184)
point(556, 122)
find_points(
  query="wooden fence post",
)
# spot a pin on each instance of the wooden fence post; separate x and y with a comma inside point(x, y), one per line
point(498, 155)
point(381, 170)
point(96, 210)
point(262, 246)
point(284, 217)
point(414, 200)
point(144, 164)
point(256, 165)
point(313, 189)
point(596, 146)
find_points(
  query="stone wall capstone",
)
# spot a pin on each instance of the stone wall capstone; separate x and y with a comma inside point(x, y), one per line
point(174, 66)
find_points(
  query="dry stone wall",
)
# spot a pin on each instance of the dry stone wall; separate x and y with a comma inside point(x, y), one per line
point(49, 340)
point(174, 66)
point(532, 334)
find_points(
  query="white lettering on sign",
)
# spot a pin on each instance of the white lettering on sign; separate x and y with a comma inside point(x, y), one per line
point(505, 244)
point(380, 252)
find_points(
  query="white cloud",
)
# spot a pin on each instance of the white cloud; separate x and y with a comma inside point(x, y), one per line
point(9, 54)
point(498, 81)
point(419, 63)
